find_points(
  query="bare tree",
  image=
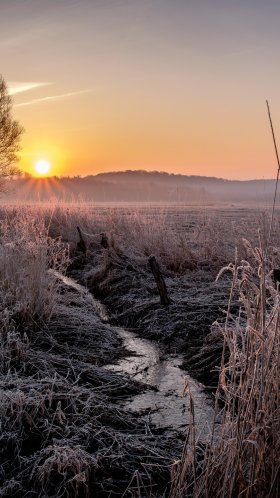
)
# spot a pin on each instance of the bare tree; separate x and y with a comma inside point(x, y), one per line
point(10, 133)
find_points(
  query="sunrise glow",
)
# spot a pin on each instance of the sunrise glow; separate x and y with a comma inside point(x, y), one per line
point(135, 86)
point(139, 165)
point(42, 167)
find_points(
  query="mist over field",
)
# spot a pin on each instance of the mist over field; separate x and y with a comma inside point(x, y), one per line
point(139, 249)
point(143, 186)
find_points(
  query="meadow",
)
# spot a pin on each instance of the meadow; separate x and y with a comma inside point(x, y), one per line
point(65, 296)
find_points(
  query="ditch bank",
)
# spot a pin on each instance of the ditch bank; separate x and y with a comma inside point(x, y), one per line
point(63, 430)
point(124, 283)
point(164, 399)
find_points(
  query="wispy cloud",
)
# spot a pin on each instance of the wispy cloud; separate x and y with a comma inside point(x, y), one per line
point(52, 97)
point(15, 87)
point(245, 51)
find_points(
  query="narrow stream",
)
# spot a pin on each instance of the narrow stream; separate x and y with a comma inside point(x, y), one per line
point(167, 406)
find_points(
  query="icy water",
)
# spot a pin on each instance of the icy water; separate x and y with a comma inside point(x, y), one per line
point(168, 406)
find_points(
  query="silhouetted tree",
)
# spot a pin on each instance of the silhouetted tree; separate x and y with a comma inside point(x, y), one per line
point(10, 132)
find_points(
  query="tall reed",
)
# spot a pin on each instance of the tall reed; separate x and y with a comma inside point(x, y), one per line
point(242, 454)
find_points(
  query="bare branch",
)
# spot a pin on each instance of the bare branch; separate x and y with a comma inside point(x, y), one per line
point(10, 133)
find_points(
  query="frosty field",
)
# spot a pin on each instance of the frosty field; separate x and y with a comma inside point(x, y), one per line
point(107, 392)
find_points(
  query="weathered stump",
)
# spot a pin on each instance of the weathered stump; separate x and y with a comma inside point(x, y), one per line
point(81, 245)
point(104, 240)
point(164, 299)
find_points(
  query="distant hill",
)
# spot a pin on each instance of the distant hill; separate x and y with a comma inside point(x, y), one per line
point(143, 186)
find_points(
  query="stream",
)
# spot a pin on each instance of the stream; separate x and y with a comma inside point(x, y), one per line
point(167, 404)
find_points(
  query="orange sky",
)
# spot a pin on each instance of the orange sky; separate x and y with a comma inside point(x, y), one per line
point(179, 85)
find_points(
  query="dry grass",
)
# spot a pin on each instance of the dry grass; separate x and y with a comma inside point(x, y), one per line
point(242, 457)
point(61, 434)
point(180, 238)
point(27, 294)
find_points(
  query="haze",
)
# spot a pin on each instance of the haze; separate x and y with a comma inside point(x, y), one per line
point(172, 85)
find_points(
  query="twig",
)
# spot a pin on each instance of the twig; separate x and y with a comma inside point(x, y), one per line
point(278, 171)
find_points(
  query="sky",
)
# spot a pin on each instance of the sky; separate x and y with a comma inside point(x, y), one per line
point(170, 85)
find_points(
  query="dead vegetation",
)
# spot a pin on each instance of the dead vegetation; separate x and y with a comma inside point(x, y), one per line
point(61, 433)
point(242, 458)
point(125, 284)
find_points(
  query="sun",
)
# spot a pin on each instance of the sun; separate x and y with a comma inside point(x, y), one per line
point(42, 167)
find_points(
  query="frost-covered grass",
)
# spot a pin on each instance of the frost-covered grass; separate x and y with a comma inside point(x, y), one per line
point(27, 293)
point(61, 433)
point(60, 429)
point(179, 237)
point(242, 455)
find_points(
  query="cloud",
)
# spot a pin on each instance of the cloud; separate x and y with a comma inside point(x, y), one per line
point(19, 87)
point(52, 97)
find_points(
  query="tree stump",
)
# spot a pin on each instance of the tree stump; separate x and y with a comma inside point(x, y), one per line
point(81, 245)
point(104, 240)
point(164, 299)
